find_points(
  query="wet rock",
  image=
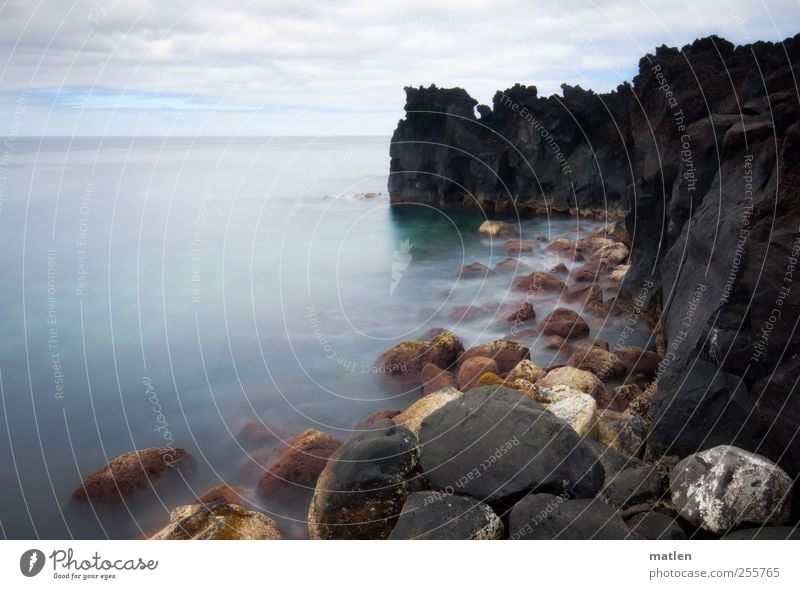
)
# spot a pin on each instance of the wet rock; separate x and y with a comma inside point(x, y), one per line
point(559, 268)
point(582, 380)
point(550, 517)
point(412, 417)
point(362, 490)
point(519, 246)
point(579, 411)
point(526, 370)
point(589, 343)
point(726, 487)
point(373, 418)
point(564, 323)
point(505, 353)
point(131, 472)
point(632, 488)
point(299, 463)
point(257, 434)
point(474, 270)
point(219, 521)
point(613, 254)
point(472, 369)
point(511, 265)
point(612, 461)
point(435, 379)
point(404, 361)
point(602, 363)
point(562, 246)
point(618, 273)
point(223, 493)
point(640, 405)
point(592, 244)
point(584, 295)
point(591, 271)
point(555, 393)
point(524, 313)
point(639, 361)
point(539, 282)
point(430, 515)
point(766, 533)
point(615, 231)
point(653, 525)
point(624, 433)
point(482, 445)
point(498, 229)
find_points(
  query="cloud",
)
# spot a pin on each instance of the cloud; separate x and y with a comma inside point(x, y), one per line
point(250, 62)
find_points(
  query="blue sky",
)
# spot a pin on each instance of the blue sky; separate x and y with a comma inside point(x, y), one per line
point(295, 67)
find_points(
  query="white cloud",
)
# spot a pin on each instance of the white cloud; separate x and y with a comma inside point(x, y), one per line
point(322, 59)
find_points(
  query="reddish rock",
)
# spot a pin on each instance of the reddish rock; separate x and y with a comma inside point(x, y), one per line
point(589, 343)
point(591, 244)
point(404, 361)
point(472, 369)
point(520, 246)
point(432, 333)
point(602, 363)
point(505, 353)
point(584, 295)
point(565, 323)
point(254, 464)
point(300, 463)
point(539, 282)
point(511, 265)
point(255, 434)
point(639, 361)
point(562, 246)
point(591, 271)
point(474, 270)
point(131, 472)
point(223, 493)
point(559, 268)
point(518, 335)
point(435, 379)
point(374, 418)
point(524, 313)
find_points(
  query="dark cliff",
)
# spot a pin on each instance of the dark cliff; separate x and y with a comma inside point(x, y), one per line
point(702, 155)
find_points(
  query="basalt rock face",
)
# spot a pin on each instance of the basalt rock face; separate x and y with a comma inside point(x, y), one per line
point(702, 154)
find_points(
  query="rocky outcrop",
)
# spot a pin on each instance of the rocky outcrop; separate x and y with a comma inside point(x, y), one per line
point(699, 153)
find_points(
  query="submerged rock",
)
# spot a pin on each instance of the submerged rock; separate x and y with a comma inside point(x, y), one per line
point(474, 270)
point(404, 361)
point(519, 246)
point(429, 515)
point(550, 517)
point(362, 490)
point(131, 472)
point(524, 313)
point(539, 282)
point(726, 487)
point(219, 521)
point(564, 323)
point(498, 229)
point(482, 445)
point(506, 353)
point(511, 265)
point(374, 418)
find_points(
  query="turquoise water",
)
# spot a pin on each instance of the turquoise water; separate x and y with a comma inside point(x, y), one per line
point(177, 287)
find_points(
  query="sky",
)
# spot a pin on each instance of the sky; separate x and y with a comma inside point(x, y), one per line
point(294, 67)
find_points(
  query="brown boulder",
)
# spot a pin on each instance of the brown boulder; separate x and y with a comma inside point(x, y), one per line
point(474, 270)
point(602, 363)
point(218, 521)
point(472, 369)
point(564, 323)
point(562, 246)
point(435, 379)
point(526, 370)
point(505, 353)
point(519, 246)
point(539, 282)
point(511, 265)
point(222, 493)
point(639, 361)
point(584, 295)
point(524, 313)
point(612, 254)
point(374, 418)
point(130, 472)
point(465, 313)
point(574, 378)
point(559, 268)
point(404, 361)
point(256, 434)
point(300, 462)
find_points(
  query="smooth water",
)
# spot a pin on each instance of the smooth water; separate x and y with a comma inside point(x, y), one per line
point(158, 289)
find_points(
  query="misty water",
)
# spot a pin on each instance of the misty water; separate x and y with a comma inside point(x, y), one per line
point(172, 289)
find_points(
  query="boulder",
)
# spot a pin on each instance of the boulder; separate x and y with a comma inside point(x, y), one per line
point(373, 418)
point(579, 411)
point(483, 445)
point(602, 363)
point(592, 244)
point(615, 231)
point(219, 521)
point(624, 433)
point(404, 361)
point(725, 487)
point(652, 525)
point(632, 488)
point(614, 253)
point(435, 379)
point(519, 246)
point(223, 493)
point(559, 268)
point(474, 270)
point(638, 361)
point(363, 488)
point(524, 313)
point(539, 282)
point(526, 370)
point(511, 265)
point(472, 369)
point(584, 295)
point(257, 434)
point(562, 246)
point(131, 472)
point(430, 515)
point(505, 353)
point(582, 380)
point(412, 418)
point(613, 462)
point(564, 323)
point(299, 463)
point(618, 273)
point(555, 393)
point(498, 229)
point(550, 517)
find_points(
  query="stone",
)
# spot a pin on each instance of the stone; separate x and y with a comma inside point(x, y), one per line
point(526, 370)
point(505, 353)
point(559, 268)
point(256, 434)
point(474, 270)
point(579, 411)
point(373, 418)
point(602, 363)
point(618, 273)
point(725, 487)
point(639, 361)
point(299, 463)
point(613, 253)
point(519, 246)
point(631, 487)
point(223, 493)
point(498, 229)
point(130, 472)
point(564, 323)
point(582, 380)
point(652, 525)
point(514, 265)
point(482, 445)
point(584, 295)
point(624, 433)
point(539, 282)
point(404, 361)
point(524, 313)
point(765, 533)
point(550, 517)
point(219, 521)
point(412, 417)
point(555, 393)
point(362, 490)
point(613, 462)
point(435, 379)
point(429, 515)
point(472, 369)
